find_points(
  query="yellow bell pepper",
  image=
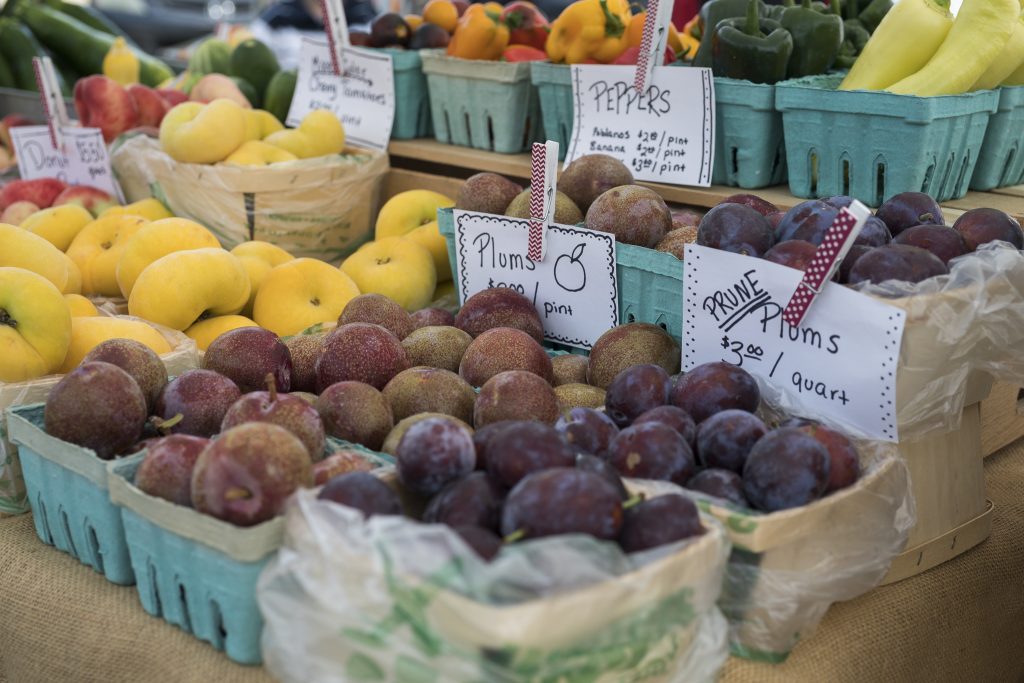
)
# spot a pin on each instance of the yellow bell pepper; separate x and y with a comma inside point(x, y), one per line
point(121, 64)
point(635, 33)
point(590, 30)
point(480, 34)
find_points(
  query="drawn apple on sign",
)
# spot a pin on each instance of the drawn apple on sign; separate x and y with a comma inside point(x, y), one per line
point(570, 274)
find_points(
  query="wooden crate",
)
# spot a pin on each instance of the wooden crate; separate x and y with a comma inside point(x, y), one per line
point(948, 481)
point(1002, 417)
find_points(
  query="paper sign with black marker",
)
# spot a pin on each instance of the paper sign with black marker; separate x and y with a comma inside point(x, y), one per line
point(839, 364)
point(574, 288)
point(84, 160)
point(665, 133)
point(363, 98)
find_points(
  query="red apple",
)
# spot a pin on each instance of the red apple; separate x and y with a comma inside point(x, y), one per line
point(41, 192)
point(172, 96)
point(149, 103)
point(17, 212)
point(91, 199)
point(105, 104)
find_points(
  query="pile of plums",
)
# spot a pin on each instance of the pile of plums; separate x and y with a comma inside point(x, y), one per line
point(905, 240)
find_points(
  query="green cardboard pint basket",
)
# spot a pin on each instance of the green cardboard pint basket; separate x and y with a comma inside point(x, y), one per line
point(1001, 163)
point(750, 151)
point(873, 145)
point(412, 103)
point(554, 88)
point(483, 104)
point(650, 282)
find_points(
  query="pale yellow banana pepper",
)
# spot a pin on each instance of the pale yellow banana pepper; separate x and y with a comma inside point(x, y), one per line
point(980, 33)
point(909, 35)
point(1009, 62)
point(121, 64)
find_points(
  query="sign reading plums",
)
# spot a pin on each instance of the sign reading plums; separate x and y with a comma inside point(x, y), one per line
point(363, 97)
point(573, 288)
point(84, 160)
point(839, 363)
point(664, 133)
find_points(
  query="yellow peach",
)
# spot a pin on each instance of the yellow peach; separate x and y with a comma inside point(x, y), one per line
point(205, 331)
point(395, 267)
point(58, 225)
point(88, 332)
point(80, 306)
point(155, 240)
point(194, 133)
point(35, 325)
point(97, 249)
point(23, 249)
point(301, 293)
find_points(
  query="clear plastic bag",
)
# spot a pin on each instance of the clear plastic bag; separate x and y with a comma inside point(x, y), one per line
point(183, 356)
point(786, 568)
point(391, 599)
point(962, 329)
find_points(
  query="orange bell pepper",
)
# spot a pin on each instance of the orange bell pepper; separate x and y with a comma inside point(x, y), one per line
point(480, 34)
point(635, 33)
point(589, 29)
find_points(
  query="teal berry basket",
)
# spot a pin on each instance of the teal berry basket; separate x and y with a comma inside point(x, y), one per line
point(1001, 162)
point(412, 102)
point(873, 145)
point(67, 489)
point(486, 105)
point(750, 150)
point(197, 572)
point(554, 88)
point(650, 282)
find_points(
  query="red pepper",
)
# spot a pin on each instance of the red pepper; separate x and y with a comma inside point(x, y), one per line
point(632, 55)
point(527, 24)
point(523, 53)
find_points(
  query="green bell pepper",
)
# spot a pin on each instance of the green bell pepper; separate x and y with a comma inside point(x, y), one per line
point(711, 14)
point(817, 38)
point(872, 15)
point(751, 48)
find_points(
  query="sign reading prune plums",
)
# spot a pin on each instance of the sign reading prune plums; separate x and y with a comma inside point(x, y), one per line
point(363, 97)
point(664, 132)
point(573, 288)
point(82, 161)
point(838, 364)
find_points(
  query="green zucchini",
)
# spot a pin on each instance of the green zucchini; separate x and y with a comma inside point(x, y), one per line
point(6, 75)
point(90, 16)
point(19, 46)
point(82, 45)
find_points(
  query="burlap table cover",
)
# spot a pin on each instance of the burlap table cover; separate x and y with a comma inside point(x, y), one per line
point(963, 621)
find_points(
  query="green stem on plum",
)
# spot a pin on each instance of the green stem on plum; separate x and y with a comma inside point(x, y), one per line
point(633, 502)
point(271, 387)
point(237, 493)
point(516, 535)
point(164, 426)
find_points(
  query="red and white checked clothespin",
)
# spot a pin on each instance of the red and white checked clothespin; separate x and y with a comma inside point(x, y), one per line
point(652, 42)
point(52, 98)
point(336, 28)
point(827, 258)
point(543, 170)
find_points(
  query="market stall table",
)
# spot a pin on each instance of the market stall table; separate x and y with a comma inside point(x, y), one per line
point(61, 621)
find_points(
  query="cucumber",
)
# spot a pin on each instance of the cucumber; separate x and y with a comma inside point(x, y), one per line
point(6, 75)
point(278, 97)
point(83, 45)
point(248, 90)
point(19, 46)
point(90, 16)
point(254, 61)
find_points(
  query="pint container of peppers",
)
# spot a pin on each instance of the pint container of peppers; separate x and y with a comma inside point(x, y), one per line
point(1001, 162)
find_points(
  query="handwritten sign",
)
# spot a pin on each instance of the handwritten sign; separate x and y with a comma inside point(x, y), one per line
point(664, 133)
point(839, 363)
point(363, 97)
point(574, 288)
point(84, 160)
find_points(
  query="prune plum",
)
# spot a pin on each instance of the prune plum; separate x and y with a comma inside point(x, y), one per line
point(774, 218)
point(483, 542)
point(792, 253)
point(473, 500)
point(659, 521)
point(725, 439)
point(592, 463)
point(981, 226)
point(844, 464)
point(724, 484)
point(840, 201)
point(432, 453)
point(785, 469)
point(525, 448)
point(735, 228)
point(808, 221)
point(875, 233)
point(364, 492)
point(671, 416)
point(652, 451)
point(563, 501)
point(762, 206)
point(908, 209)
point(482, 439)
point(856, 251)
point(896, 262)
point(945, 243)
point(587, 430)
point(634, 391)
point(713, 387)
